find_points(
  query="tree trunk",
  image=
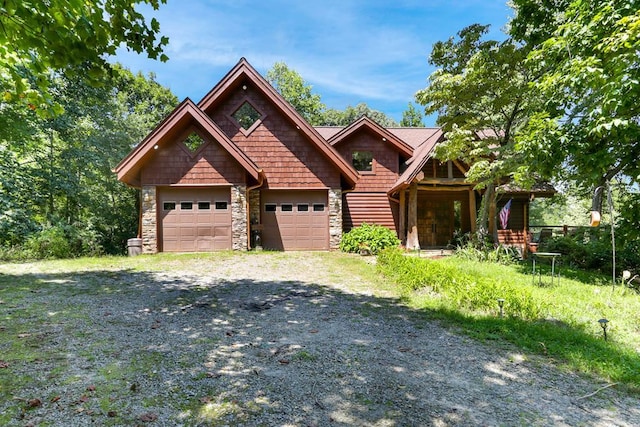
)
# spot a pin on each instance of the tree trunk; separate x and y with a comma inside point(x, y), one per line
point(413, 241)
point(488, 199)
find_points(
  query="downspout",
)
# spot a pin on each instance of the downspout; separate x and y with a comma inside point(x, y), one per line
point(248, 206)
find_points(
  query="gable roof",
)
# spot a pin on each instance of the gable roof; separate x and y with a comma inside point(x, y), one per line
point(177, 121)
point(415, 164)
point(366, 123)
point(243, 72)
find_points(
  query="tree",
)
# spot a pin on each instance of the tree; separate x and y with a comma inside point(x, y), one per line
point(590, 78)
point(69, 36)
point(412, 117)
point(297, 92)
point(351, 114)
point(481, 94)
point(57, 172)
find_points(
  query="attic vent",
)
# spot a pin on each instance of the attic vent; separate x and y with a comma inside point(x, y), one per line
point(193, 142)
point(246, 116)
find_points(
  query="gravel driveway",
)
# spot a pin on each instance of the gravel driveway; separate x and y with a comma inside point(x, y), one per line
point(297, 339)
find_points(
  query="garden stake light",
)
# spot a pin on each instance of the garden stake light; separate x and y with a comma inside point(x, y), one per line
point(501, 304)
point(603, 325)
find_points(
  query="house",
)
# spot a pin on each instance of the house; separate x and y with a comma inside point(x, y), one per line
point(242, 168)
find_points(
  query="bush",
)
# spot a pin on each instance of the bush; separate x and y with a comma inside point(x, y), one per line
point(62, 241)
point(372, 237)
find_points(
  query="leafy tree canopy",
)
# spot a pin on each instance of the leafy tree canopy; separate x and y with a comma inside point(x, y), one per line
point(481, 93)
point(587, 56)
point(411, 117)
point(69, 36)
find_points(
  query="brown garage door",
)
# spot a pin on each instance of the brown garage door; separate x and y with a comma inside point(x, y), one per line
point(295, 220)
point(195, 220)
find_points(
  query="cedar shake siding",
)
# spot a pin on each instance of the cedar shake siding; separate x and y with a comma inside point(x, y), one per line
point(176, 164)
point(286, 156)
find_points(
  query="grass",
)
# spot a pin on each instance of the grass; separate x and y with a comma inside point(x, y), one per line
point(560, 320)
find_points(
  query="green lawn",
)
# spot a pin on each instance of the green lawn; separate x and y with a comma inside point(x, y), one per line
point(558, 320)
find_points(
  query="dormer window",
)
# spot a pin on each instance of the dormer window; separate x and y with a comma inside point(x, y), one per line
point(362, 161)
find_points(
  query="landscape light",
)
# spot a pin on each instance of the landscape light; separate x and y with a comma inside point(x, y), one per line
point(603, 324)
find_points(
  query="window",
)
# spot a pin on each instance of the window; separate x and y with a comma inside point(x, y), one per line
point(362, 161)
point(286, 207)
point(193, 142)
point(221, 205)
point(270, 207)
point(318, 207)
point(303, 208)
point(204, 206)
point(186, 206)
point(169, 206)
point(246, 115)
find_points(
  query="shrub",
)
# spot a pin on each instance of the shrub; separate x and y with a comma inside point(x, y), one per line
point(62, 241)
point(370, 236)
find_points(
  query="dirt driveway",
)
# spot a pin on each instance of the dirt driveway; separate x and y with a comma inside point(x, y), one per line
point(299, 339)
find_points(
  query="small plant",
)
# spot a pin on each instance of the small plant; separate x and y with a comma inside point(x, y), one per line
point(370, 238)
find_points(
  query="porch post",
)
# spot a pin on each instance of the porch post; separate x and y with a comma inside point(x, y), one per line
point(413, 242)
point(402, 221)
point(472, 209)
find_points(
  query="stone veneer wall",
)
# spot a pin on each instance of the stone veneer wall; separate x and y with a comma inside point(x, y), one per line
point(149, 220)
point(335, 217)
point(239, 218)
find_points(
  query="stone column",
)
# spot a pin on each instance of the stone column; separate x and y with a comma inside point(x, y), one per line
point(239, 218)
point(335, 217)
point(149, 220)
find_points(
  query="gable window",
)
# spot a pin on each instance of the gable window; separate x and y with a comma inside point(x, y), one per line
point(362, 161)
point(193, 142)
point(246, 116)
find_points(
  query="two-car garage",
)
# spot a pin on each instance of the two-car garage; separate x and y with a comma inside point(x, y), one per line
point(200, 219)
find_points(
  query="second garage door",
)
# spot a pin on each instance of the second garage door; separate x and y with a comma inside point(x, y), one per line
point(195, 220)
point(295, 220)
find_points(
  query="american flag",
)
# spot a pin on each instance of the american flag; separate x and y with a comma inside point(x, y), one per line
point(504, 215)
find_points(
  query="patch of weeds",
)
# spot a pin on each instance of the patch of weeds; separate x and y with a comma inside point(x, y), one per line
point(304, 356)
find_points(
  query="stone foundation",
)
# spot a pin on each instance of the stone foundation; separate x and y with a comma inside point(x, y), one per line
point(149, 220)
point(335, 217)
point(239, 224)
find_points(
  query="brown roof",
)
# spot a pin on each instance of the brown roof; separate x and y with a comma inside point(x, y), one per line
point(242, 72)
point(366, 123)
point(413, 137)
point(177, 121)
point(415, 164)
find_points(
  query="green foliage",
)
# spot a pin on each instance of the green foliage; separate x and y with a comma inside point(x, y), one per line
point(481, 93)
point(557, 321)
point(592, 250)
point(62, 241)
point(72, 37)
point(297, 92)
point(411, 117)
point(458, 289)
point(586, 57)
point(58, 172)
point(372, 237)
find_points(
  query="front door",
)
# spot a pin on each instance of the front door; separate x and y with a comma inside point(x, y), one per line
point(435, 222)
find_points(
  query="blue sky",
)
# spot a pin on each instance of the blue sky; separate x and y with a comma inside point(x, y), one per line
point(350, 51)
